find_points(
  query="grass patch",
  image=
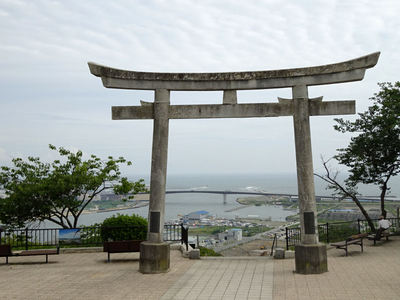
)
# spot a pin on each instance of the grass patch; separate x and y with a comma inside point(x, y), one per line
point(250, 231)
point(207, 230)
point(208, 252)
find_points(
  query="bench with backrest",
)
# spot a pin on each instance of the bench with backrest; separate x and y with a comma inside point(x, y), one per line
point(6, 251)
point(121, 247)
point(356, 239)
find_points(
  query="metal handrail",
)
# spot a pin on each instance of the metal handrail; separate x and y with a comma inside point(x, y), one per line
point(293, 235)
point(89, 236)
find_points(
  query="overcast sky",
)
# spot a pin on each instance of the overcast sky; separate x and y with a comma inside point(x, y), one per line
point(47, 94)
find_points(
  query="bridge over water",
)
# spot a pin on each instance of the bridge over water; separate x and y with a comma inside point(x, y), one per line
point(255, 193)
point(227, 192)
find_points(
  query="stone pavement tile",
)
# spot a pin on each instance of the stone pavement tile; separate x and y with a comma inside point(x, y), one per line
point(89, 277)
point(303, 297)
point(214, 297)
point(86, 276)
point(266, 298)
point(241, 295)
point(369, 275)
point(224, 278)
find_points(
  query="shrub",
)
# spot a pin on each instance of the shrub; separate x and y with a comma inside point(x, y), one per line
point(338, 232)
point(208, 252)
point(91, 235)
point(123, 228)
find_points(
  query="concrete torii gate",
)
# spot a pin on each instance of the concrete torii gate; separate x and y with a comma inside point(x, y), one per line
point(310, 255)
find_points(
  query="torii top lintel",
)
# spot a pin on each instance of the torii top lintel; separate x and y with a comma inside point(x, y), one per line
point(351, 70)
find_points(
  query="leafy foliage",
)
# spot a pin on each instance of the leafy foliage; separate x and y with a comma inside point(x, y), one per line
point(338, 232)
point(207, 230)
point(123, 228)
point(61, 190)
point(373, 156)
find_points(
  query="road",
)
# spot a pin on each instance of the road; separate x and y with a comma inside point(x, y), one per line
point(279, 231)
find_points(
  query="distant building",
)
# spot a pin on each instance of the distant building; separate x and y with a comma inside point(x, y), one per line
point(348, 214)
point(196, 215)
point(342, 210)
point(110, 197)
point(234, 234)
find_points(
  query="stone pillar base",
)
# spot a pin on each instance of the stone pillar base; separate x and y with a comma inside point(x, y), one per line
point(311, 259)
point(154, 258)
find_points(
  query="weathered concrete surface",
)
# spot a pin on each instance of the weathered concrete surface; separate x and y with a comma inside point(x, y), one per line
point(194, 254)
point(328, 108)
point(367, 61)
point(86, 276)
point(289, 254)
point(351, 70)
point(305, 171)
point(272, 83)
point(229, 97)
point(158, 166)
point(279, 253)
point(369, 275)
point(310, 256)
point(154, 254)
point(225, 278)
point(311, 259)
point(248, 110)
point(154, 258)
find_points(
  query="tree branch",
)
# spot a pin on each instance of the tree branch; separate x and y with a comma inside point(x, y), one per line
point(337, 186)
point(96, 192)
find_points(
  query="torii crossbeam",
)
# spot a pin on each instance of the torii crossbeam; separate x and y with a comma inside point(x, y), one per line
point(310, 254)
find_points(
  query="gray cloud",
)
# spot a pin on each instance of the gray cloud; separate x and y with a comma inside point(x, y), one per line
point(48, 95)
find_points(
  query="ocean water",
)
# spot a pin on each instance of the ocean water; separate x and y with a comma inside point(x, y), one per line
point(181, 204)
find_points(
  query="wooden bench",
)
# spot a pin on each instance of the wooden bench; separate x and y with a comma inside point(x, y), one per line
point(121, 247)
point(384, 234)
point(6, 251)
point(356, 239)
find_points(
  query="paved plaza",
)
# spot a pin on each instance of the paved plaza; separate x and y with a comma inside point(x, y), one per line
point(373, 274)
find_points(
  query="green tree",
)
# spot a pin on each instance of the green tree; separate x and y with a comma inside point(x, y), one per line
point(61, 190)
point(373, 156)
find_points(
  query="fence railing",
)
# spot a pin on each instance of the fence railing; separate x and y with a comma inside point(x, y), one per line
point(337, 231)
point(88, 236)
point(274, 244)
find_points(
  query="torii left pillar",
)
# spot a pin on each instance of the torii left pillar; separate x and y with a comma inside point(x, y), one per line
point(310, 255)
point(154, 253)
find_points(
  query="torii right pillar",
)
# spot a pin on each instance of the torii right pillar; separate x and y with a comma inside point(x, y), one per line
point(310, 255)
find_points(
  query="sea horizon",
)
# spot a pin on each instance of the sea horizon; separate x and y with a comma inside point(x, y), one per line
point(274, 182)
point(181, 204)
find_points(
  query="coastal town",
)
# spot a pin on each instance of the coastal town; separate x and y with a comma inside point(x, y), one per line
point(217, 232)
point(209, 231)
